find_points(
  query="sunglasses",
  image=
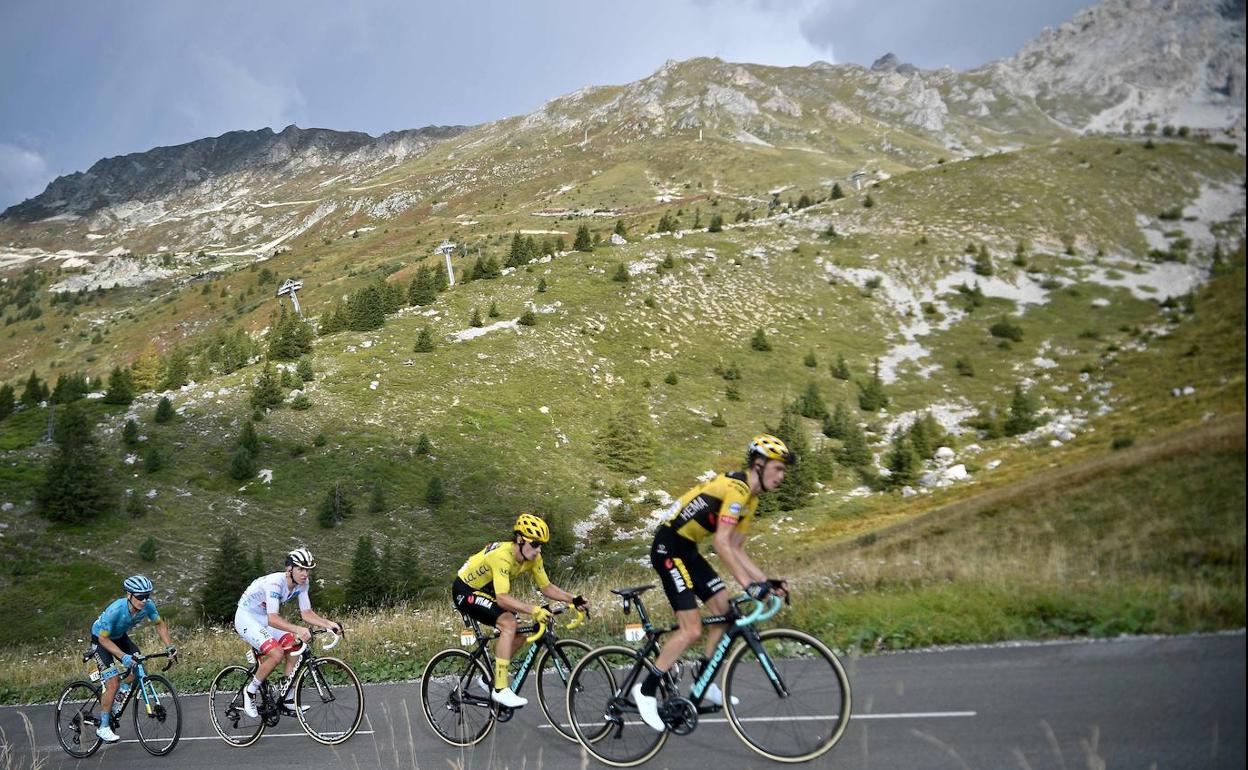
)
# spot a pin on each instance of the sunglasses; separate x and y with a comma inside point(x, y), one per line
point(142, 597)
point(533, 544)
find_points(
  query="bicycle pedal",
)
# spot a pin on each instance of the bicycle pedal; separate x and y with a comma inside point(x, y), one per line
point(709, 708)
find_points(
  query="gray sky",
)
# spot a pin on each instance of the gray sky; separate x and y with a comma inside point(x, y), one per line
point(89, 79)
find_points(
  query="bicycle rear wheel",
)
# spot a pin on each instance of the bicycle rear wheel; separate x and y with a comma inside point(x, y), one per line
point(603, 715)
point(225, 704)
point(809, 718)
point(77, 716)
point(329, 701)
point(158, 716)
point(553, 672)
point(458, 708)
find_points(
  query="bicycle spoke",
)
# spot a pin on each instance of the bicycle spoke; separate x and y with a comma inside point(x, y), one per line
point(225, 702)
point(603, 716)
point(77, 714)
point(797, 726)
point(454, 692)
point(157, 715)
point(553, 672)
point(329, 701)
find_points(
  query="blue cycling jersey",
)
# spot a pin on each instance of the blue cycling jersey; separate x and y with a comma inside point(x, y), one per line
point(116, 620)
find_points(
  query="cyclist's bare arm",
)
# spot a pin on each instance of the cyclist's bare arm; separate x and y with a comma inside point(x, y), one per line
point(727, 542)
point(277, 621)
point(512, 604)
point(552, 591)
point(107, 644)
point(162, 629)
point(314, 619)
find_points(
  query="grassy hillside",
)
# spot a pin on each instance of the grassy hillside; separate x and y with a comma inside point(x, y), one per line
point(514, 413)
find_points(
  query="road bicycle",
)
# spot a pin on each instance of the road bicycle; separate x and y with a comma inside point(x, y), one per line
point(157, 720)
point(329, 701)
point(785, 694)
point(456, 685)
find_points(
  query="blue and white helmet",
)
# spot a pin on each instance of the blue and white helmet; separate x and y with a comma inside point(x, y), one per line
point(137, 584)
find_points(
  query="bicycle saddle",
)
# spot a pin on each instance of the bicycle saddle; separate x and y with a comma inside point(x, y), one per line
point(629, 593)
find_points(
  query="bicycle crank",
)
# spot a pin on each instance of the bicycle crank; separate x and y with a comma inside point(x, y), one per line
point(679, 714)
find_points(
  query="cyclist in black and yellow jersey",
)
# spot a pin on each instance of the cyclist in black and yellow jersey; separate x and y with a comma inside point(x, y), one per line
point(482, 590)
point(721, 509)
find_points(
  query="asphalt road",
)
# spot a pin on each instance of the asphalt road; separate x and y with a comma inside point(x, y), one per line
point(1134, 703)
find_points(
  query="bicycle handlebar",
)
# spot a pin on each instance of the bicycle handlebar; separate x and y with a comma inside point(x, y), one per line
point(539, 630)
point(337, 637)
point(143, 658)
point(765, 610)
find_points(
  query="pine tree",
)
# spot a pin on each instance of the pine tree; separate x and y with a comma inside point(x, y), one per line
point(177, 369)
point(810, 360)
point(872, 397)
point(840, 369)
point(527, 318)
point(423, 446)
point(799, 481)
point(77, 487)
point(621, 274)
point(1023, 413)
point(619, 228)
point(810, 404)
point(164, 411)
point(34, 392)
point(423, 289)
point(377, 503)
point(387, 575)
point(364, 589)
point(541, 285)
point(515, 255)
point(147, 549)
point(334, 508)
point(868, 201)
point(135, 506)
point(476, 321)
point(148, 371)
point(153, 458)
point(583, 242)
point(130, 433)
point(434, 494)
point(225, 582)
point(717, 223)
point(7, 401)
point(760, 342)
point(836, 425)
point(409, 580)
point(493, 311)
point(120, 388)
point(837, 194)
point(626, 443)
point(242, 463)
point(266, 392)
point(983, 262)
point(304, 369)
point(855, 452)
point(424, 341)
point(903, 462)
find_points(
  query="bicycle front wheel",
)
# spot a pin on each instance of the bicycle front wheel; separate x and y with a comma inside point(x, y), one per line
point(329, 701)
point(77, 716)
point(455, 695)
point(792, 705)
point(225, 704)
point(553, 672)
point(157, 716)
point(601, 709)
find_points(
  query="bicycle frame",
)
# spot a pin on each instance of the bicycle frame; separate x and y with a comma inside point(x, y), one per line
point(151, 699)
point(482, 651)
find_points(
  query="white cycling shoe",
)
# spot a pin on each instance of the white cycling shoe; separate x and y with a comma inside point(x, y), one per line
point(648, 707)
point(505, 697)
point(249, 708)
point(716, 698)
point(289, 705)
point(106, 734)
point(478, 684)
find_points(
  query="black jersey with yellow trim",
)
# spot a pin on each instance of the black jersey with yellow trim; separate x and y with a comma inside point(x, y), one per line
point(725, 498)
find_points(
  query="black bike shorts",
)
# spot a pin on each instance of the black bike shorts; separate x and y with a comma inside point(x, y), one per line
point(685, 573)
point(104, 658)
point(478, 605)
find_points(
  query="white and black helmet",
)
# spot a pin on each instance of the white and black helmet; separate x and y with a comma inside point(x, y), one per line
point(300, 557)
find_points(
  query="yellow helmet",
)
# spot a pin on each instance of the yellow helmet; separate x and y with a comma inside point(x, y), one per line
point(769, 447)
point(533, 528)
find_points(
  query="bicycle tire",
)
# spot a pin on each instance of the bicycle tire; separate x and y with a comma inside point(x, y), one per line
point(449, 674)
point(88, 707)
point(595, 713)
point(226, 701)
point(829, 690)
point(346, 681)
point(141, 710)
point(572, 650)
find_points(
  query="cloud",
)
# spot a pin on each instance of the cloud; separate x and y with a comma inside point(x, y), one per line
point(23, 174)
point(228, 96)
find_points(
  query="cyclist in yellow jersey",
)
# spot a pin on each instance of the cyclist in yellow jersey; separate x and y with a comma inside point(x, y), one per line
point(482, 590)
point(721, 509)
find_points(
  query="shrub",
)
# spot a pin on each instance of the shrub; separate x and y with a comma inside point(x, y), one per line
point(301, 402)
point(621, 273)
point(759, 341)
point(528, 318)
point(718, 420)
point(164, 411)
point(147, 549)
point(424, 341)
point(872, 397)
point(130, 433)
point(1006, 330)
point(671, 378)
point(153, 459)
point(242, 464)
point(964, 367)
point(135, 506)
point(810, 360)
point(435, 495)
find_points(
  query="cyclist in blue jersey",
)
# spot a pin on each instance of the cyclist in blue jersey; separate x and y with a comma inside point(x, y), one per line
point(111, 641)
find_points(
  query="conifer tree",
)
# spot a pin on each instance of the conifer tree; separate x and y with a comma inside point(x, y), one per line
point(717, 223)
point(423, 289)
point(177, 369)
point(153, 458)
point(759, 341)
point(799, 481)
point(242, 463)
point(434, 493)
point(35, 391)
point(583, 242)
point(810, 360)
point(334, 508)
point(225, 582)
point(476, 321)
point(855, 452)
point(837, 194)
point(377, 503)
point(872, 397)
point(527, 318)
point(983, 262)
point(130, 433)
point(135, 506)
point(810, 404)
point(410, 580)
point(621, 274)
point(267, 389)
point(1023, 413)
point(7, 401)
point(619, 228)
point(120, 388)
point(304, 369)
point(77, 487)
point(541, 285)
point(493, 311)
point(424, 341)
point(422, 445)
point(148, 371)
point(164, 411)
point(626, 443)
point(836, 425)
point(147, 549)
point(364, 589)
point(903, 462)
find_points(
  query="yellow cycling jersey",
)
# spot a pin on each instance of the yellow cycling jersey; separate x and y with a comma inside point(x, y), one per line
point(725, 498)
point(492, 568)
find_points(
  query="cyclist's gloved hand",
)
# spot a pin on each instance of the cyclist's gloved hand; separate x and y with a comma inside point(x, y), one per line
point(780, 587)
point(758, 591)
point(127, 660)
point(336, 628)
point(540, 614)
point(172, 650)
point(581, 603)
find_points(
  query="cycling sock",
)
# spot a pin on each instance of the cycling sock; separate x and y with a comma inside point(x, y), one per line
point(651, 684)
point(253, 686)
point(501, 676)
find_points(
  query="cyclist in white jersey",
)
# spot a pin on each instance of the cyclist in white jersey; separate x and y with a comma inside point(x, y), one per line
point(258, 620)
